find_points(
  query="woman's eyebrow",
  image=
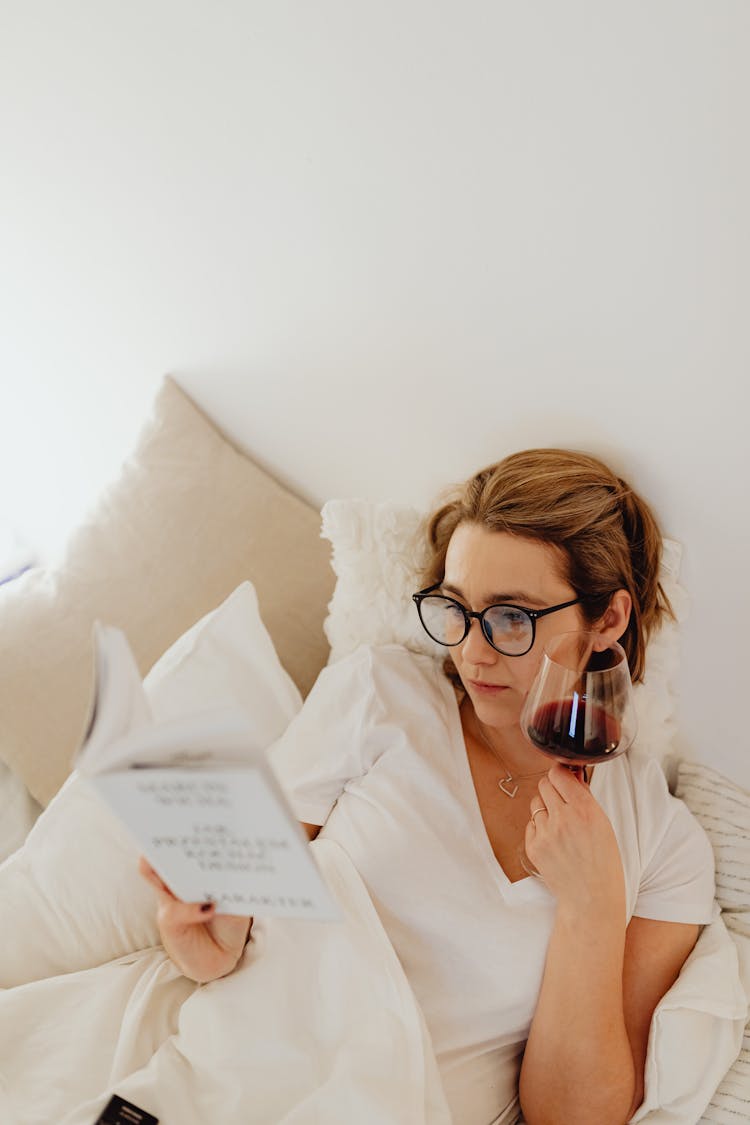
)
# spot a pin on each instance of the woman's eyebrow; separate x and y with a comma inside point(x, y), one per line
point(515, 597)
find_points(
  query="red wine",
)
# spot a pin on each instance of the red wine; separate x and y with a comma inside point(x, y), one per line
point(568, 730)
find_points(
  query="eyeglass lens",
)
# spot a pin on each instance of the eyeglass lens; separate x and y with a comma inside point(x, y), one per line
point(508, 629)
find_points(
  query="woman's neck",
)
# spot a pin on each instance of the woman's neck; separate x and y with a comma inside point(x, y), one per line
point(508, 745)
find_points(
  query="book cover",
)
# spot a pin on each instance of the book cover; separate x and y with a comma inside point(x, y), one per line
point(199, 797)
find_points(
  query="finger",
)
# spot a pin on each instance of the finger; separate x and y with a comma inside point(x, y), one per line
point(550, 795)
point(565, 783)
point(175, 912)
point(530, 840)
point(539, 816)
point(536, 805)
point(148, 873)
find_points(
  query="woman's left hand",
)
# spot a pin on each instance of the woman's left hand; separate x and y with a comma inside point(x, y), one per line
point(573, 845)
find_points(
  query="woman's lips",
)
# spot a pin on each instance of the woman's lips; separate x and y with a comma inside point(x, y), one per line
point(487, 689)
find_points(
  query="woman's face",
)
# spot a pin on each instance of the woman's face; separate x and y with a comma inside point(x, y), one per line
point(489, 567)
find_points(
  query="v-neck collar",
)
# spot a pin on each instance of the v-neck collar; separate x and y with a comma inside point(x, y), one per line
point(522, 890)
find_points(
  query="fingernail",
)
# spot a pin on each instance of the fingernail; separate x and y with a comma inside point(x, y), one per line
point(206, 907)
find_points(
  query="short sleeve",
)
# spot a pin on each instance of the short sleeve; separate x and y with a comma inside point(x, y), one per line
point(325, 746)
point(677, 874)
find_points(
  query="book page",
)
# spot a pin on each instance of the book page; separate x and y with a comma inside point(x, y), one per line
point(199, 797)
point(225, 835)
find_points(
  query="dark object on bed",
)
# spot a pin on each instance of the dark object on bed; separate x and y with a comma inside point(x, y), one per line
point(119, 1112)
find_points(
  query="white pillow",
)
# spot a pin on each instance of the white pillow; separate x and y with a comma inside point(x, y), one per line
point(723, 810)
point(377, 556)
point(72, 897)
point(696, 1032)
point(227, 657)
point(18, 811)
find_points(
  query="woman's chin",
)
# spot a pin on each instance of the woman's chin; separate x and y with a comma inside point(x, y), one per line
point(496, 709)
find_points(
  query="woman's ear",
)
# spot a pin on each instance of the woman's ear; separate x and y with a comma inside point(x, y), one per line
point(617, 615)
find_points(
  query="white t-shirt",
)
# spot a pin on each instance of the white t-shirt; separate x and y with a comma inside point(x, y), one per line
point(377, 756)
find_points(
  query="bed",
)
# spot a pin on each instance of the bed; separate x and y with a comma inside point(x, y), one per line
point(200, 556)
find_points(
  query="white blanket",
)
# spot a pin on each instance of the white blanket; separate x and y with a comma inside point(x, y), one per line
point(317, 1024)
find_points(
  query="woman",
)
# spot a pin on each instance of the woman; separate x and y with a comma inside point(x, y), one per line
point(542, 990)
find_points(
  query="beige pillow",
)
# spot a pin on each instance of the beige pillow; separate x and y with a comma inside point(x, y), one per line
point(188, 519)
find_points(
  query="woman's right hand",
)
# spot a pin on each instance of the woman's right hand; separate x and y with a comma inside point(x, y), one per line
point(202, 944)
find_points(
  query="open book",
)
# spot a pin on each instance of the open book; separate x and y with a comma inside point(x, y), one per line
point(199, 797)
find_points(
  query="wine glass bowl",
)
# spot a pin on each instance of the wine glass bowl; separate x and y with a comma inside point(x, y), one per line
point(579, 709)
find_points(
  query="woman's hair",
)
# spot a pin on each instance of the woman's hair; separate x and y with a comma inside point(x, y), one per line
point(605, 531)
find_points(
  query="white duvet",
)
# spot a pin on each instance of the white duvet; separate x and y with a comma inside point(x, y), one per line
point(317, 1024)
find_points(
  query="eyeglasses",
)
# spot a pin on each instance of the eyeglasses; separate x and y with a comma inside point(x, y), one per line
point(510, 629)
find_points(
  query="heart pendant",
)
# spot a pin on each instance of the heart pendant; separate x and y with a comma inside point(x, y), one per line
point(502, 785)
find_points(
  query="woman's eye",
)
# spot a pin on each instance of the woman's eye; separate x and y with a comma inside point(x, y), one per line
point(514, 618)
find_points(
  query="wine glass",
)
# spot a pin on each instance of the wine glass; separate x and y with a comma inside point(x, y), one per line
point(580, 709)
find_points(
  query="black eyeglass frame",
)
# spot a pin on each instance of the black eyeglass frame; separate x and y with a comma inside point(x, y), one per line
point(532, 614)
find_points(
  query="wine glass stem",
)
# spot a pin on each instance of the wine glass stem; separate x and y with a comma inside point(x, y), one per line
point(581, 772)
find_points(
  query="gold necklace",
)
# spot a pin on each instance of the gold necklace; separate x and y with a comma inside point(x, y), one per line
point(509, 779)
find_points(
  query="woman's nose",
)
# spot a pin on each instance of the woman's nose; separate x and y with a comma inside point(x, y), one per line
point(476, 648)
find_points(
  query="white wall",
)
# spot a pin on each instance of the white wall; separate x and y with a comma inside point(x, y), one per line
point(383, 243)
